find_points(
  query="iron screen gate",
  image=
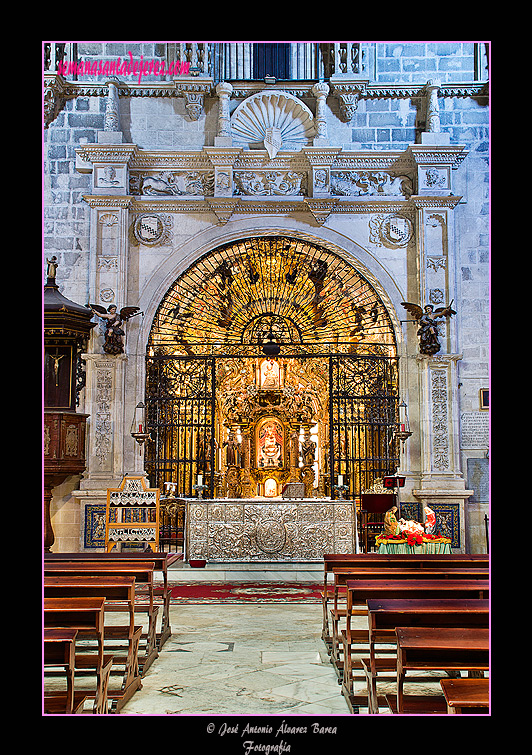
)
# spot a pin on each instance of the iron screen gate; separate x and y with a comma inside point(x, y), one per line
point(180, 414)
point(363, 418)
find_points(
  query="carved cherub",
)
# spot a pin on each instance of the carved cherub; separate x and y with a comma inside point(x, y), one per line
point(428, 327)
point(114, 334)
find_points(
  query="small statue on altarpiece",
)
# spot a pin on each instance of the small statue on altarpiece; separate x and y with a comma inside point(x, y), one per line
point(114, 333)
point(428, 327)
point(232, 452)
point(308, 451)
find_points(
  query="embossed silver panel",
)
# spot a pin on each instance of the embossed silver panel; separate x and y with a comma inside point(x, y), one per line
point(250, 530)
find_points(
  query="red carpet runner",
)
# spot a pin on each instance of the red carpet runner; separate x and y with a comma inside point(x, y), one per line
point(250, 592)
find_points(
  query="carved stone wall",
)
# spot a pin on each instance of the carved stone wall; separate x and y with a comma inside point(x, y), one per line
point(237, 530)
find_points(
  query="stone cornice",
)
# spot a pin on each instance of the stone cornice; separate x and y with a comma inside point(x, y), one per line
point(116, 201)
point(428, 202)
point(225, 207)
point(442, 154)
point(241, 89)
point(335, 157)
point(107, 153)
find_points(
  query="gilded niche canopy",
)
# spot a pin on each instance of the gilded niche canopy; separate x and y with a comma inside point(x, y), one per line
point(271, 288)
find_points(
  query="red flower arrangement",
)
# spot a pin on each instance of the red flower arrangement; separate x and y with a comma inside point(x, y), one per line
point(414, 538)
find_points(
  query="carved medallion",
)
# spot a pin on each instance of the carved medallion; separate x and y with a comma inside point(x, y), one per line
point(270, 535)
point(152, 229)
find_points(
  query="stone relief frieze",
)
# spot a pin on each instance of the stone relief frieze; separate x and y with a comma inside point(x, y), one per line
point(269, 183)
point(173, 183)
point(370, 183)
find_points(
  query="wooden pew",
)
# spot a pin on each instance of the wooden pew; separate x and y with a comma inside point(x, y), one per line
point(118, 593)
point(161, 561)
point(442, 649)
point(386, 615)
point(86, 617)
point(333, 561)
point(59, 649)
point(359, 591)
point(142, 572)
point(343, 574)
point(466, 695)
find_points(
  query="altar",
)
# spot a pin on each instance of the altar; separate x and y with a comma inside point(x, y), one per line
point(280, 530)
point(428, 545)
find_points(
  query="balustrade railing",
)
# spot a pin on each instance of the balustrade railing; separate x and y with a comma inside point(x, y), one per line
point(237, 61)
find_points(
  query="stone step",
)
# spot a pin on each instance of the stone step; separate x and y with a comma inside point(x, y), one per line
point(301, 571)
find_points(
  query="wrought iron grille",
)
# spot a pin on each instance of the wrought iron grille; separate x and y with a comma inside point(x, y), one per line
point(363, 416)
point(223, 309)
point(180, 414)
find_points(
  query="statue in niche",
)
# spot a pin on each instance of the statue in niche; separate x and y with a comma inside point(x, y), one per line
point(428, 327)
point(308, 450)
point(269, 375)
point(114, 334)
point(232, 452)
point(270, 445)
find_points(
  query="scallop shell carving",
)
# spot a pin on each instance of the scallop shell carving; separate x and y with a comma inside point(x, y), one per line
point(272, 112)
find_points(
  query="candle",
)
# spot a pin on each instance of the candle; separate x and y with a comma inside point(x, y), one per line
point(200, 479)
point(140, 428)
point(402, 428)
point(340, 480)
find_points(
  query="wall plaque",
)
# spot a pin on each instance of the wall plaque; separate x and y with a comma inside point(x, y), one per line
point(478, 480)
point(474, 429)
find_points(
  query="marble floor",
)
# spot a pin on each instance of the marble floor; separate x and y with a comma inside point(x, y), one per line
point(250, 659)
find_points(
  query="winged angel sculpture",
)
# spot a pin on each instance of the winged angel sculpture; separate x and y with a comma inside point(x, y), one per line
point(427, 318)
point(114, 334)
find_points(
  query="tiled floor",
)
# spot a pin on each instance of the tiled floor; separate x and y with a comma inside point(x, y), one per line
point(254, 659)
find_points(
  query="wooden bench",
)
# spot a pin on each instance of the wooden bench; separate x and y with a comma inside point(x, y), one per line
point(361, 590)
point(142, 572)
point(118, 594)
point(466, 695)
point(161, 561)
point(334, 561)
point(343, 574)
point(59, 649)
point(386, 615)
point(85, 616)
point(441, 649)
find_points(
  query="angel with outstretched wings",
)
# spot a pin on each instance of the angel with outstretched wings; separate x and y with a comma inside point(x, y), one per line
point(428, 327)
point(114, 334)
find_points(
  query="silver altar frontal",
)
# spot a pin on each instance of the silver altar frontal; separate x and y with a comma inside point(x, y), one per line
point(226, 530)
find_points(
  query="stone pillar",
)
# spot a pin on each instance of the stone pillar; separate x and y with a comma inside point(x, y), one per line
point(442, 482)
point(320, 91)
point(223, 139)
point(112, 132)
point(432, 133)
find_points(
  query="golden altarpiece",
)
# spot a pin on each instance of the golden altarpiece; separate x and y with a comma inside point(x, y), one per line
point(271, 376)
